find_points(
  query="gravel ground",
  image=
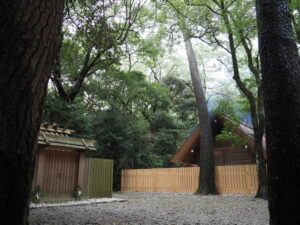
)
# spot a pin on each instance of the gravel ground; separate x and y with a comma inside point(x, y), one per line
point(159, 208)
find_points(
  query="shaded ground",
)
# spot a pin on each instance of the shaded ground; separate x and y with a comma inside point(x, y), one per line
point(159, 208)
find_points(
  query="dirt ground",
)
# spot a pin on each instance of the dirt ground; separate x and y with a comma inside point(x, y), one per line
point(159, 208)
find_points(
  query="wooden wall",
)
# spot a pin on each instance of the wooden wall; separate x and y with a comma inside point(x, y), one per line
point(233, 156)
point(59, 172)
point(241, 179)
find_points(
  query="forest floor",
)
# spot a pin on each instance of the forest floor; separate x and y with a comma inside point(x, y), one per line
point(159, 208)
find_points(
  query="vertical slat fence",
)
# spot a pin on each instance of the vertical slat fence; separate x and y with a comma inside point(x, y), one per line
point(241, 179)
point(161, 180)
point(60, 173)
point(98, 178)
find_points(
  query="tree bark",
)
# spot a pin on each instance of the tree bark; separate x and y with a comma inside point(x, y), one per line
point(29, 32)
point(207, 166)
point(261, 162)
point(281, 85)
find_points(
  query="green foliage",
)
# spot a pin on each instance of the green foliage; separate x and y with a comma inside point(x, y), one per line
point(125, 139)
point(165, 134)
point(126, 115)
point(129, 141)
point(251, 84)
point(243, 103)
point(93, 35)
point(227, 109)
point(227, 134)
point(68, 115)
point(183, 99)
point(162, 120)
point(128, 92)
point(72, 58)
point(175, 85)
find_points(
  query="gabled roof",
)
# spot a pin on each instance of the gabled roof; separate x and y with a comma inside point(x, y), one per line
point(52, 135)
point(186, 147)
point(193, 141)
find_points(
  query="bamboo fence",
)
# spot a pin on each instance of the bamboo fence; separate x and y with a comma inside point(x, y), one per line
point(241, 179)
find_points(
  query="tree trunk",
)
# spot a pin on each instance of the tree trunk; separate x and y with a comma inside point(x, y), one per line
point(207, 166)
point(29, 32)
point(281, 86)
point(262, 190)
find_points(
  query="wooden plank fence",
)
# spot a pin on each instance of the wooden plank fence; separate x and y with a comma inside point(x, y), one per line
point(98, 179)
point(241, 179)
point(59, 172)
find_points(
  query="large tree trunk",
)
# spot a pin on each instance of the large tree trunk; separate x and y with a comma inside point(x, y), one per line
point(207, 166)
point(29, 32)
point(281, 86)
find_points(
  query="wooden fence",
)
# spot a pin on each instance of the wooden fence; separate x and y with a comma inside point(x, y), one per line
point(98, 178)
point(58, 173)
point(229, 179)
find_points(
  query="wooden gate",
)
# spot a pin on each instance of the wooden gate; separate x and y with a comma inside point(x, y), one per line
point(60, 172)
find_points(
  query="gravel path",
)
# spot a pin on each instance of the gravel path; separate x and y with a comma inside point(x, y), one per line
point(159, 208)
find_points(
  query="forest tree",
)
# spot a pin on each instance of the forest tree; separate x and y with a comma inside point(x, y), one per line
point(280, 65)
point(29, 40)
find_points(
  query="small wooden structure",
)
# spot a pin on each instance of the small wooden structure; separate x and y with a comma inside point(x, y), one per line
point(224, 152)
point(60, 162)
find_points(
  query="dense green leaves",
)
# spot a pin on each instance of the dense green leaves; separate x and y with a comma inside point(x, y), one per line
point(128, 92)
point(125, 139)
point(126, 115)
point(68, 115)
point(228, 135)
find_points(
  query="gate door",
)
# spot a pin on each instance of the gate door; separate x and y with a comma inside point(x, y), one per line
point(60, 173)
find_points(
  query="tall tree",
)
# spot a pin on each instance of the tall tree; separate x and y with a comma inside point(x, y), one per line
point(29, 40)
point(280, 65)
point(207, 165)
point(234, 19)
